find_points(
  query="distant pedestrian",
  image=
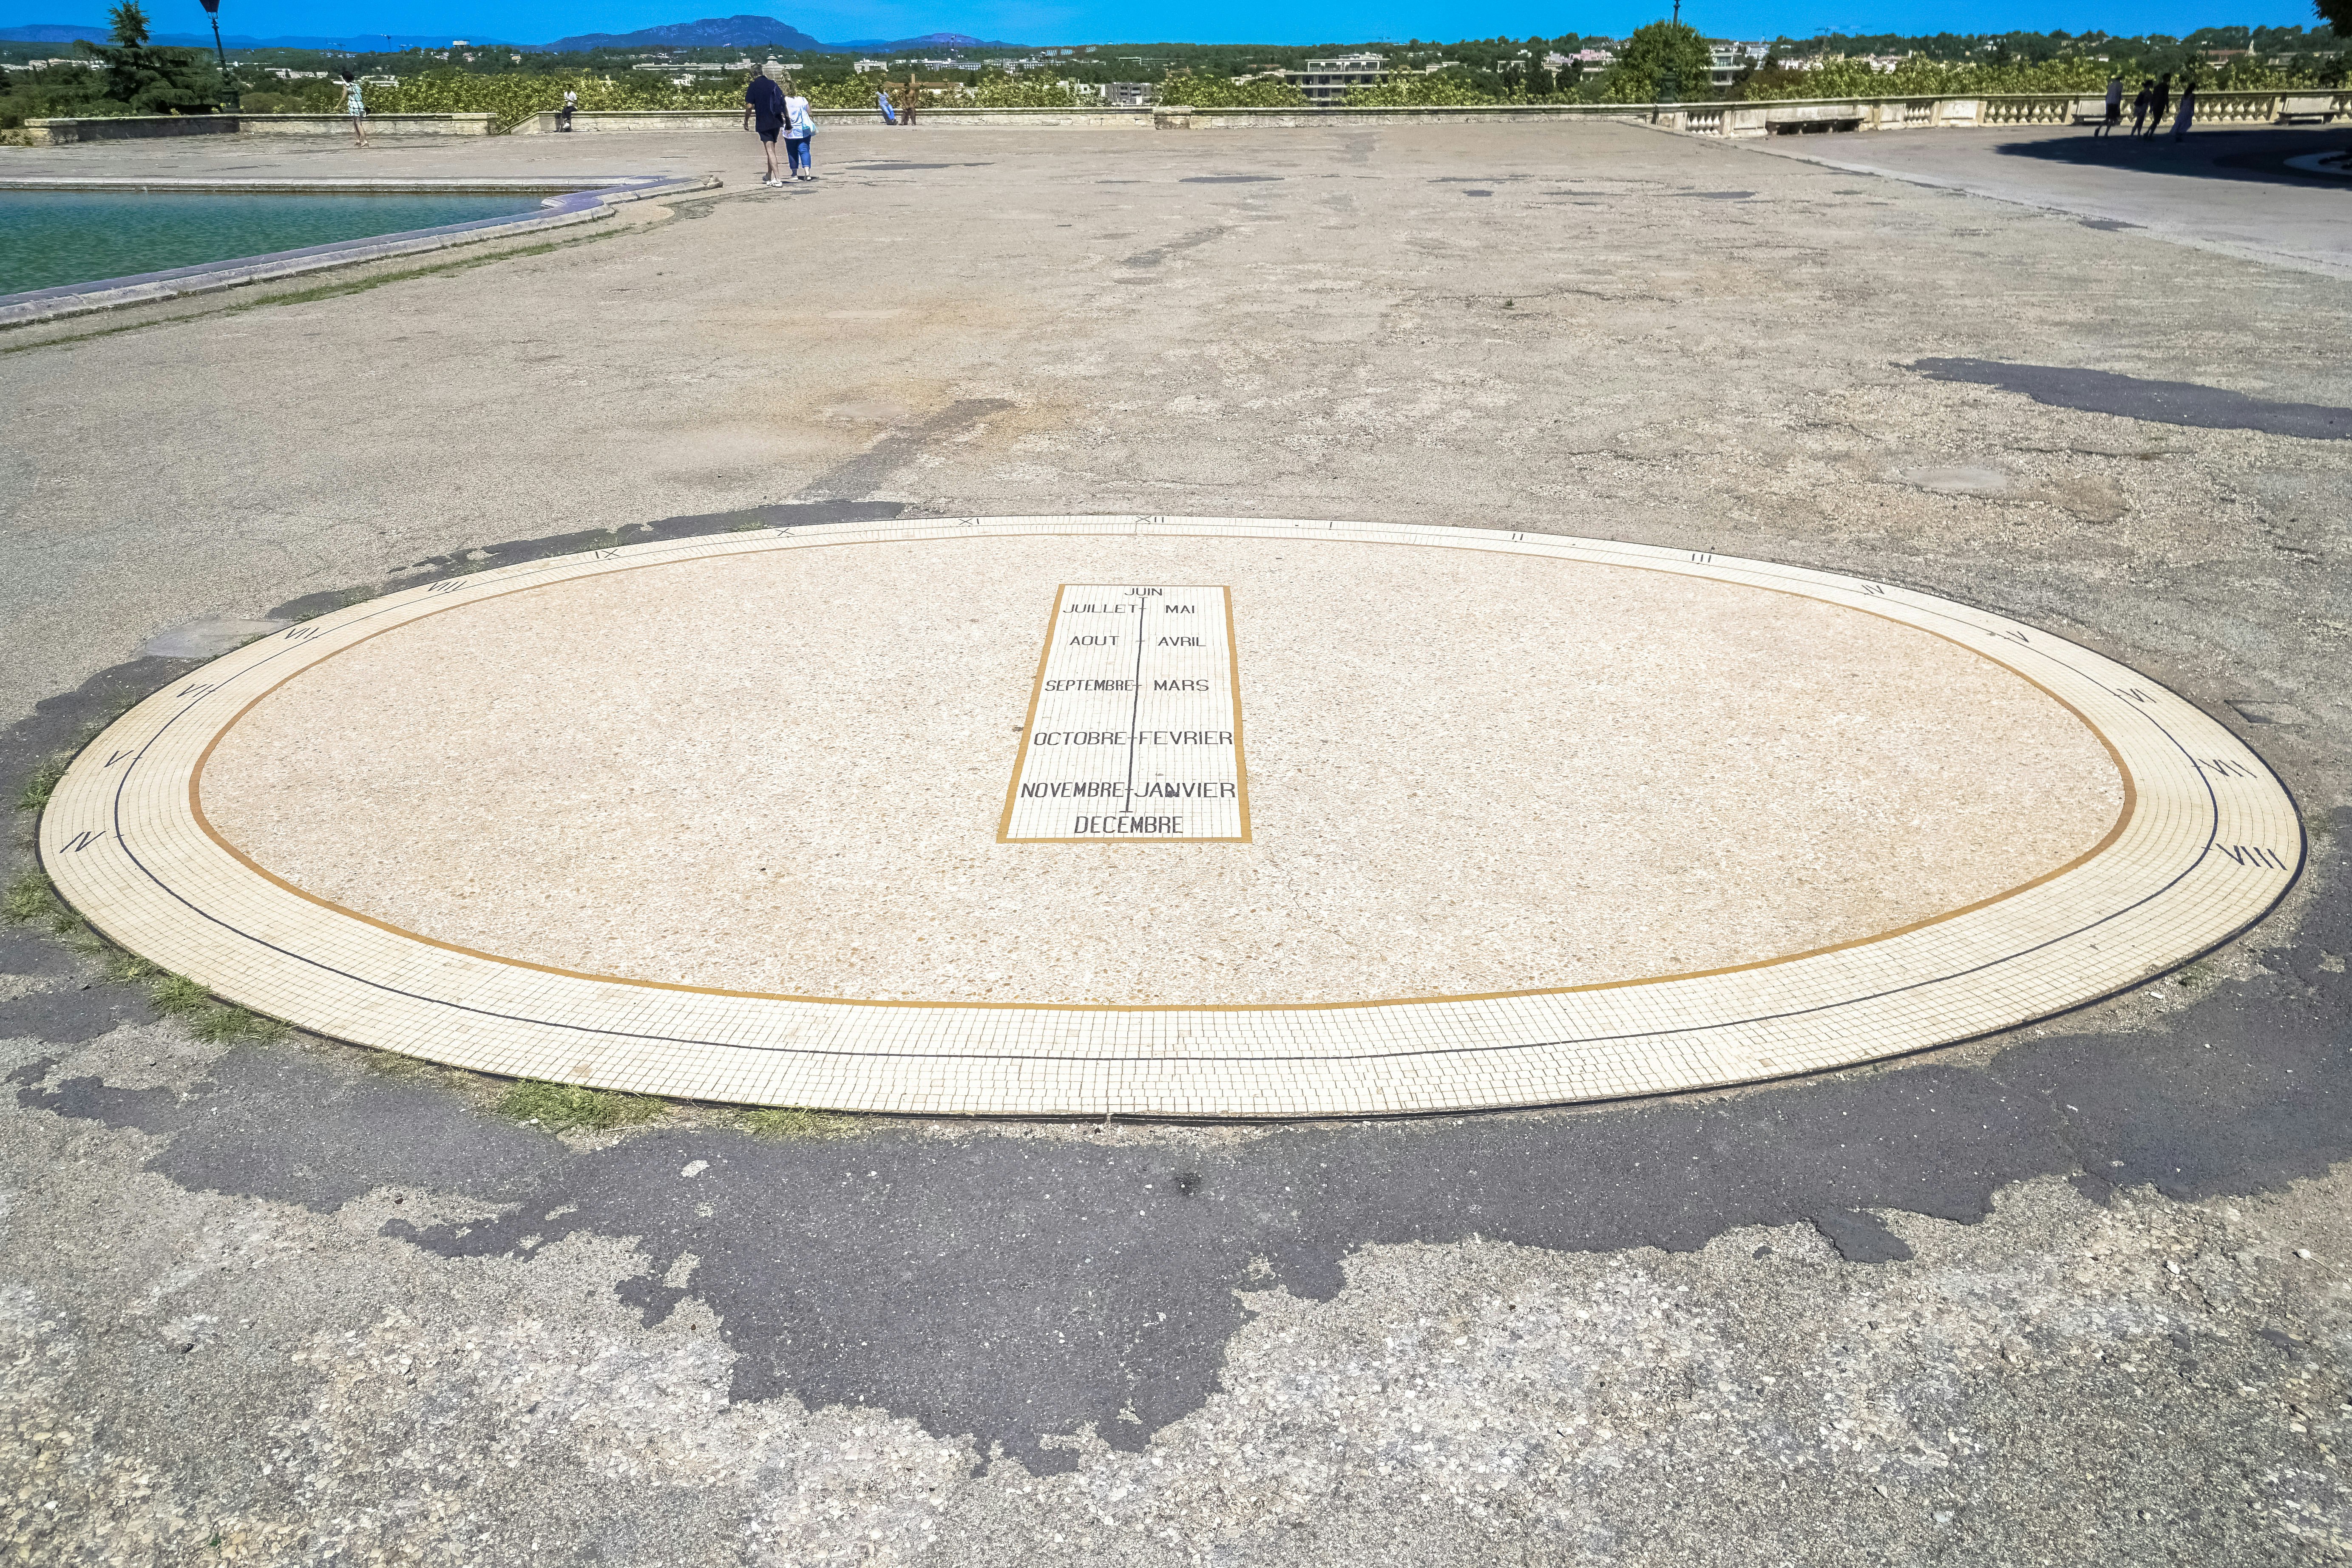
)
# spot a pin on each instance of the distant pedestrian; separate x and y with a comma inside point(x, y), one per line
point(571, 107)
point(763, 111)
point(2145, 96)
point(2159, 105)
point(354, 107)
point(2114, 106)
point(889, 112)
point(800, 131)
point(2188, 111)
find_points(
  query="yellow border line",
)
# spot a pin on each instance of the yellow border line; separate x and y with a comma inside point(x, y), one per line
point(1029, 721)
point(2123, 820)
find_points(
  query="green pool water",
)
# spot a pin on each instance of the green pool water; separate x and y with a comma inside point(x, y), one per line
point(53, 238)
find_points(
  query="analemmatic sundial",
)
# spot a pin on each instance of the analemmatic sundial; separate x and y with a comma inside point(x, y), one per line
point(1159, 815)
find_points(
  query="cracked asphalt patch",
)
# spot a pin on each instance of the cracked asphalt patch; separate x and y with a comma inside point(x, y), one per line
point(2138, 397)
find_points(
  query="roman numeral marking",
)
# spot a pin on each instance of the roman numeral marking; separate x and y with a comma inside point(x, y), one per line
point(300, 634)
point(198, 689)
point(81, 841)
point(2253, 855)
point(2134, 693)
point(120, 755)
point(2223, 766)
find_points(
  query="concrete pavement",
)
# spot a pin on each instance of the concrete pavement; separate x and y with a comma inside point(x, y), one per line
point(2042, 1298)
point(2231, 191)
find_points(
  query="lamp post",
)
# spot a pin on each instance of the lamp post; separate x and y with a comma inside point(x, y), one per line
point(211, 9)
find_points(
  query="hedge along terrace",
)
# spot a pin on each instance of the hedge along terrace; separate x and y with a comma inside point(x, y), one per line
point(512, 100)
point(1665, 58)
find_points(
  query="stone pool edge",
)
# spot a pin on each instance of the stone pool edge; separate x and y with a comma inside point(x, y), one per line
point(569, 202)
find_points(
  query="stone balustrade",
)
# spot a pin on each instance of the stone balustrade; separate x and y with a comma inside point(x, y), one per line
point(139, 127)
point(1766, 117)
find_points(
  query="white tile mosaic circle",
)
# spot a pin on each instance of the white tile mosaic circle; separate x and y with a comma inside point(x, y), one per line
point(1196, 745)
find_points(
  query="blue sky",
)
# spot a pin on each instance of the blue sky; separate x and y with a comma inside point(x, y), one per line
point(1212, 21)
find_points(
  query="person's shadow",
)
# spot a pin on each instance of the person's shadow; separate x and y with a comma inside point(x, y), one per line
point(2259, 153)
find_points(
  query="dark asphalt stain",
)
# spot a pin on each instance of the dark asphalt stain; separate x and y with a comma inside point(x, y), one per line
point(64, 1014)
point(867, 470)
point(2159, 402)
point(133, 679)
point(23, 955)
point(1861, 1237)
point(893, 168)
point(1718, 195)
point(2109, 225)
point(1478, 192)
point(1228, 179)
point(1012, 1286)
point(1160, 253)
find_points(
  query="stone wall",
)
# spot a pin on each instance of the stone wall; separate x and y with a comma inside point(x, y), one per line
point(1782, 117)
point(127, 128)
point(135, 127)
point(732, 119)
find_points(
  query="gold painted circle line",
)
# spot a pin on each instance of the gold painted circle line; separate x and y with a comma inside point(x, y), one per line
point(2114, 834)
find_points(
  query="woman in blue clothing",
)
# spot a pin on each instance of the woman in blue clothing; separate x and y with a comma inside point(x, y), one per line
point(800, 127)
point(763, 109)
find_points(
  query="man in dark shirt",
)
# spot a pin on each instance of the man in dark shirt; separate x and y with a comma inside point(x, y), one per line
point(763, 109)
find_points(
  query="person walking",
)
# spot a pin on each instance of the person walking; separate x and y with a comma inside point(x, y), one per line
point(355, 107)
point(800, 131)
point(2159, 104)
point(2114, 106)
point(2145, 96)
point(763, 111)
point(2187, 110)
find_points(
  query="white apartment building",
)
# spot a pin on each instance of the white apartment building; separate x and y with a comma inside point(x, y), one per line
point(1329, 80)
point(1727, 58)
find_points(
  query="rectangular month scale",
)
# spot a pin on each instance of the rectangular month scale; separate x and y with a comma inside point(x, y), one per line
point(1135, 726)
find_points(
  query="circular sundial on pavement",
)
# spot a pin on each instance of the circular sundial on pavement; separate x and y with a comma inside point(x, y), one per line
point(1164, 816)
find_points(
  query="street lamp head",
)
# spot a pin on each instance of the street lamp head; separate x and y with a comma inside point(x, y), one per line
point(212, 7)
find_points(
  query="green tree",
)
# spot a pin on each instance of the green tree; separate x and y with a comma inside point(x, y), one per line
point(61, 92)
point(2337, 15)
point(1654, 54)
point(1197, 90)
point(1443, 90)
point(148, 79)
point(1000, 89)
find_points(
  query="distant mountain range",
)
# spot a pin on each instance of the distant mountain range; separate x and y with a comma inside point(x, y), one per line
point(710, 33)
point(753, 32)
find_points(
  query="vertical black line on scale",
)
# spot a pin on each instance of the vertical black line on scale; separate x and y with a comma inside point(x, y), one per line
point(1135, 709)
